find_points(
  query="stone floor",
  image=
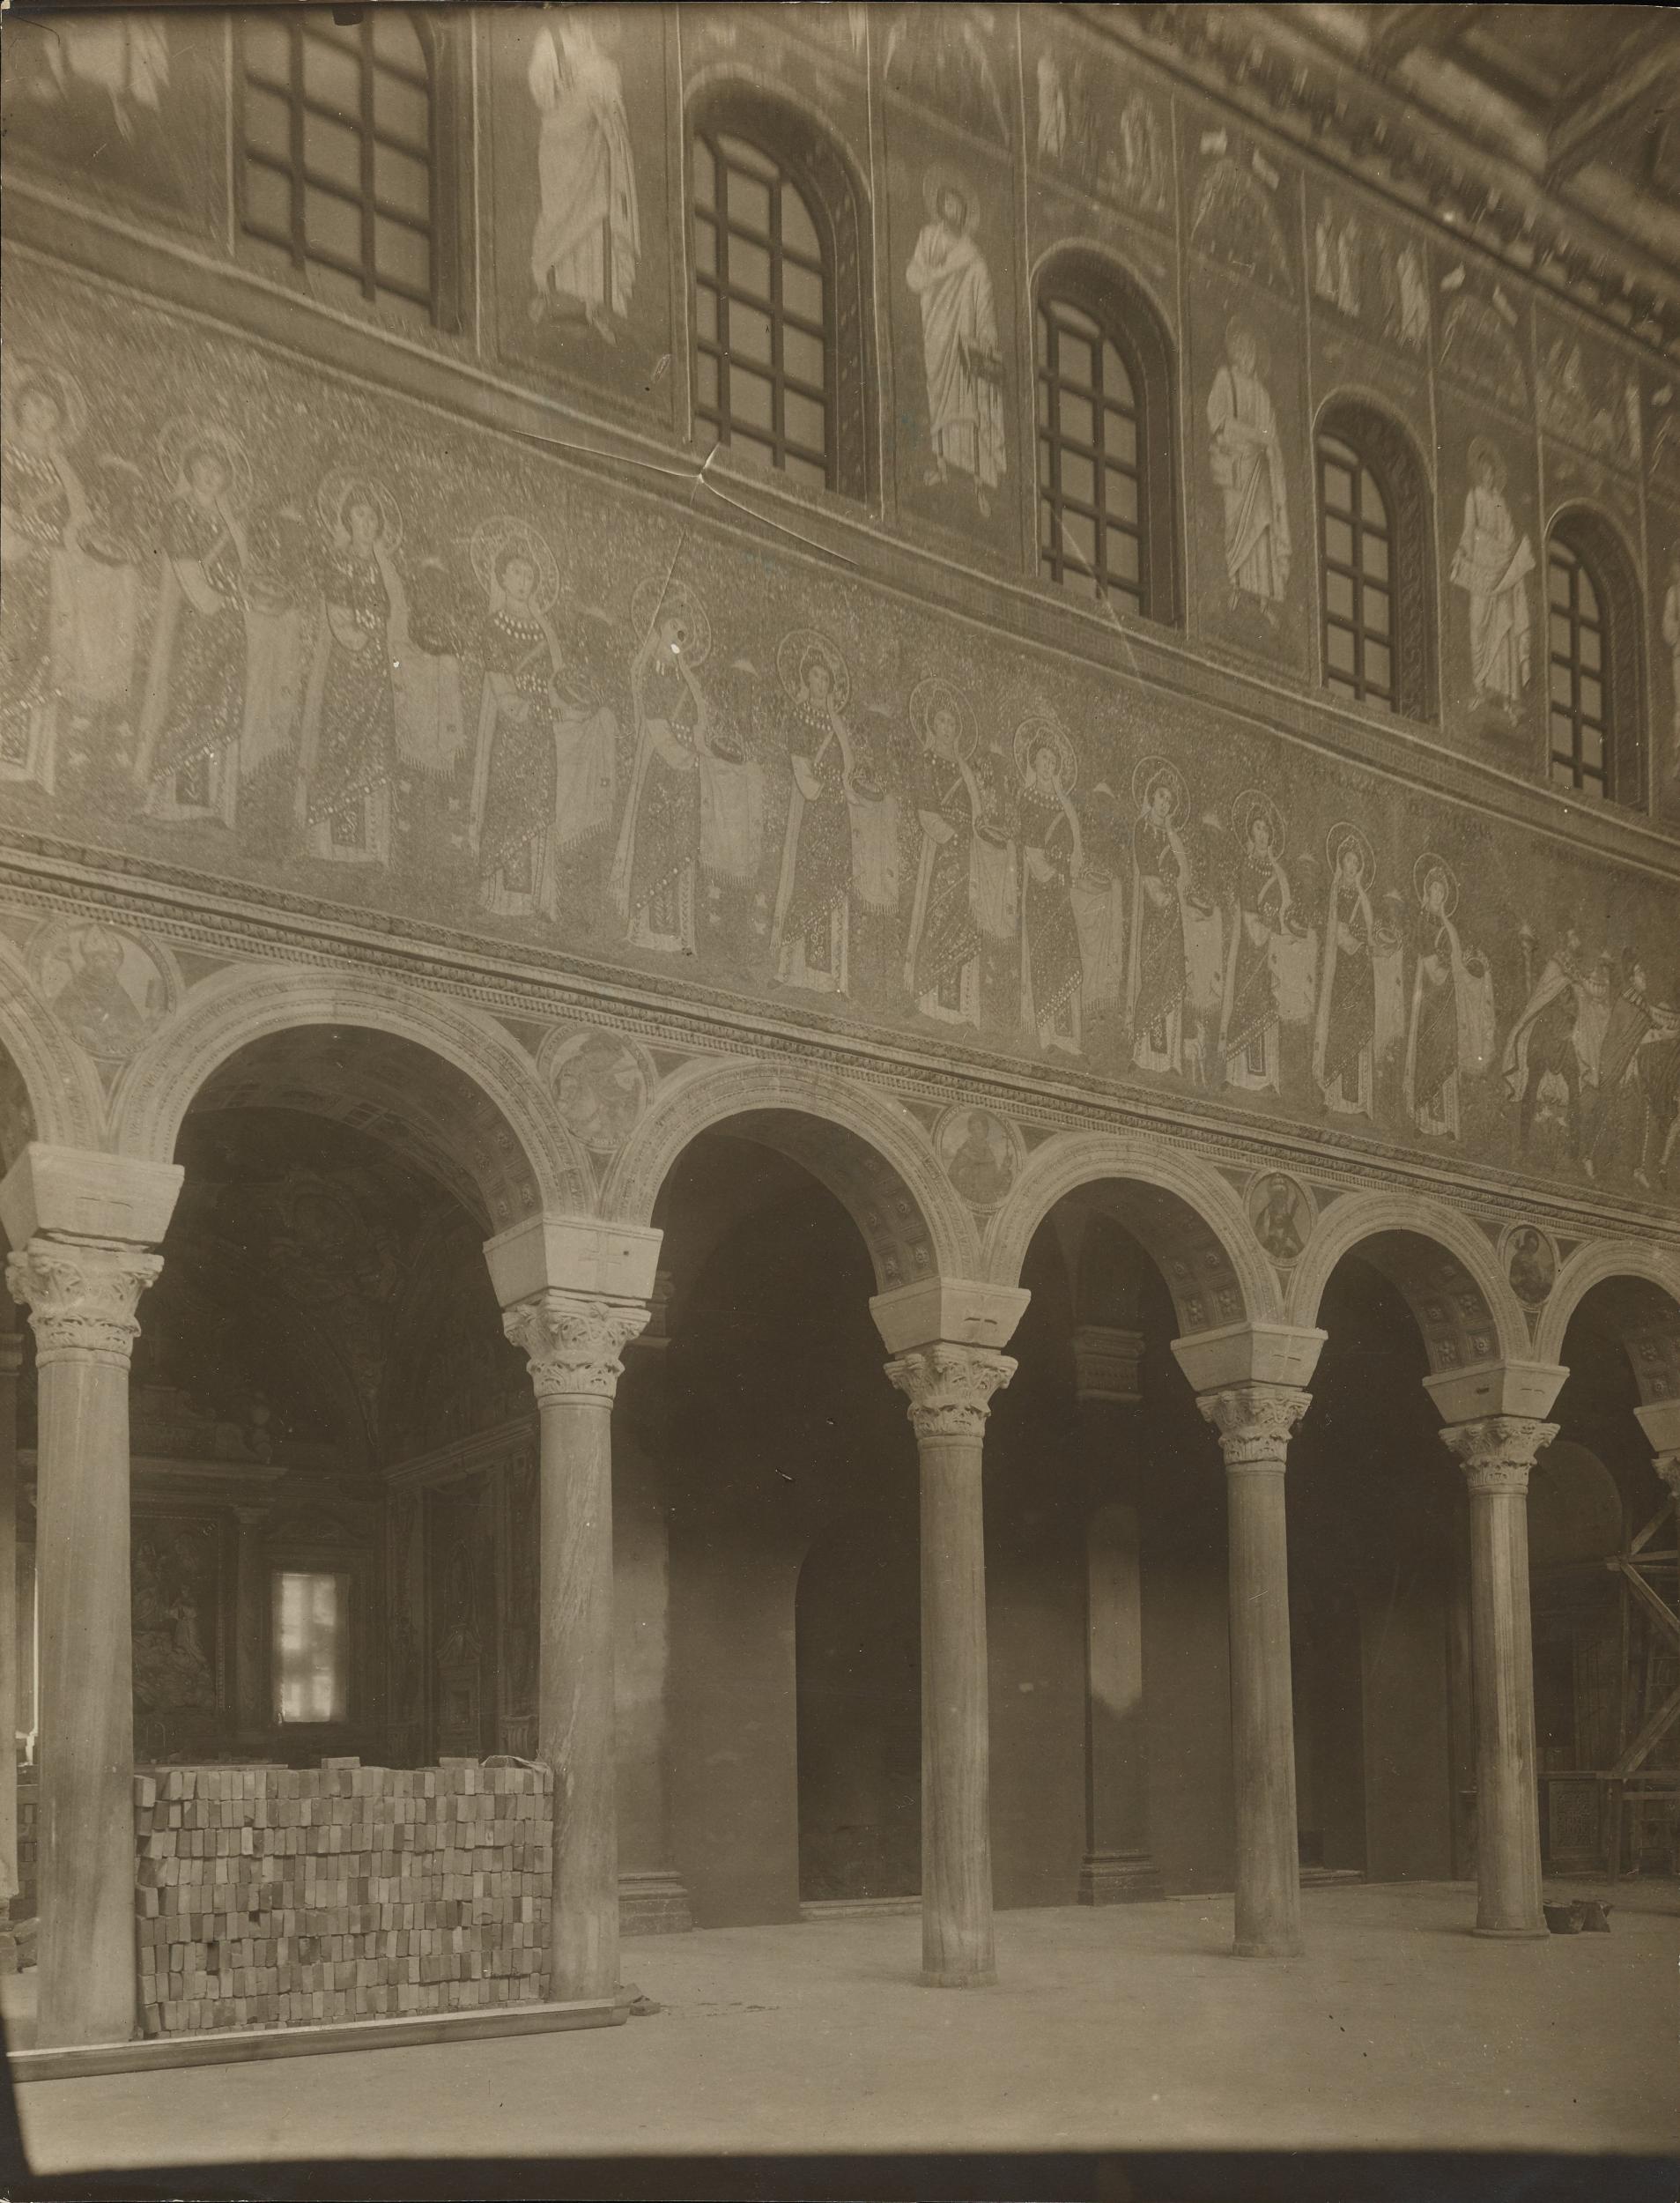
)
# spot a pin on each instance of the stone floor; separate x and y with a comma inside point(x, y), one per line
point(1131, 2028)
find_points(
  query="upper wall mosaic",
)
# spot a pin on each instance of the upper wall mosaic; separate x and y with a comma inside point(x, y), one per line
point(828, 237)
point(287, 632)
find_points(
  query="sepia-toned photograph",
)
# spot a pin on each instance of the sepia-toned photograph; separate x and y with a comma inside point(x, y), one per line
point(840, 1100)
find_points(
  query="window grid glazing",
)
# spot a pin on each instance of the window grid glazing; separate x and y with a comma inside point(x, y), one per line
point(1355, 547)
point(1092, 532)
point(1581, 745)
point(764, 334)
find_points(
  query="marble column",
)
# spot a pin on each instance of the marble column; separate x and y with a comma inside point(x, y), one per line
point(1250, 1383)
point(943, 1339)
point(81, 1286)
point(11, 1361)
point(1117, 1868)
point(562, 1284)
point(1492, 1412)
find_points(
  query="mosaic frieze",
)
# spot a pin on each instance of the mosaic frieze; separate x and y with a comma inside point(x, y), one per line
point(432, 674)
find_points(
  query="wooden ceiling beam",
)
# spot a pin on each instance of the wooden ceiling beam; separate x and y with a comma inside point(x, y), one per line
point(1644, 78)
point(1404, 30)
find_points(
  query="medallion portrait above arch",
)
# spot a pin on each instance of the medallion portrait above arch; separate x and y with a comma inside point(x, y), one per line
point(127, 108)
point(582, 279)
point(106, 987)
point(1281, 1213)
point(600, 1082)
point(951, 282)
point(982, 1154)
point(1528, 1258)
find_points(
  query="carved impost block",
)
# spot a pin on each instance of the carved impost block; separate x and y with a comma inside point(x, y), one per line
point(965, 1310)
point(1660, 1421)
point(572, 1341)
point(1496, 1452)
point(1523, 1389)
point(81, 1295)
point(1255, 1422)
point(81, 1194)
point(1249, 1353)
point(1106, 1364)
point(949, 1387)
point(583, 1255)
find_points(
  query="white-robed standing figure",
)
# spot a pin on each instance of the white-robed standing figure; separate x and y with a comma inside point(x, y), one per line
point(1491, 565)
point(1451, 1034)
point(1358, 1018)
point(1248, 464)
point(960, 347)
point(587, 242)
point(657, 861)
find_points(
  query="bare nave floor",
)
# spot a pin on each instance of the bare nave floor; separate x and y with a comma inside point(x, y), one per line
point(1127, 2027)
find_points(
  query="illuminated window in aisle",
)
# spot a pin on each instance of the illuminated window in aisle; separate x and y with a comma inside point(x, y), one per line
point(1092, 525)
point(339, 151)
point(1356, 540)
point(311, 1645)
point(764, 333)
point(1581, 728)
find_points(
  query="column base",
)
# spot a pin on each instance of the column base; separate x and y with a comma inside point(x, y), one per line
point(653, 1902)
point(988, 1980)
point(1513, 1934)
point(1119, 1878)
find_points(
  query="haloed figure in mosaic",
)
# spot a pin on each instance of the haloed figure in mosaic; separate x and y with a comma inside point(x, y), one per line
point(1451, 1036)
point(349, 750)
point(193, 711)
point(960, 353)
point(43, 509)
point(587, 241)
point(1491, 565)
point(547, 759)
point(1051, 858)
point(811, 936)
point(1358, 1017)
point(1248, 465)
point(1249, 1027)
point(1156, 975)
point(657, 860)
point(942, 948)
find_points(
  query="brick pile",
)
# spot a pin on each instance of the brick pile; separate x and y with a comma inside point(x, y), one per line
point(269, 1896)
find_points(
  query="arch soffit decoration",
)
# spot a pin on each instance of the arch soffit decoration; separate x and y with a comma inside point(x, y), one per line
point(1437, 1259)
point(1179, 1209)
point(506, 1136)
point(63, 1088)
point(1092, 259)
point(1644, 1309)
point(871, 1153)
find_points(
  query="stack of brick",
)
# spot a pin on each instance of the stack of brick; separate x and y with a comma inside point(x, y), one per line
point(267, 1897)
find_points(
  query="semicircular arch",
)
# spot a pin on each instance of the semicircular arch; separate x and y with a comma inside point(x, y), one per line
point(1442, 1265)
point(485, 1102)
point(1620, 1262)
point(64, 1089)
point(1181, 1210)
point(867, 1148)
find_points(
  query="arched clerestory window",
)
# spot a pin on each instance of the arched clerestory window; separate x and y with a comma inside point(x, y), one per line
point(1592, 654)
point(1106, 521)
point(344, 163)
point(780, 344)
point(1376, 571)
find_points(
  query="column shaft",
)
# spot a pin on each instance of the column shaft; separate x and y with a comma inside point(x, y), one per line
point(573, 1342)
point(956, 1949)
point(949, 1388)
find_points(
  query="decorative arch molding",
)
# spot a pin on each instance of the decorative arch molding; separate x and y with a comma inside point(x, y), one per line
point(1439, 1261)
point(1179, 1209)
point(873, 1155)
point(509, 1145)
point(63, 1088)
point(1644, 1309)
point(1369, 425)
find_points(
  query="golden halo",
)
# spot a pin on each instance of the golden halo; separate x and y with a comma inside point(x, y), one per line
point(1254, 803)
point(492, 541)
point(1485, 447)
point(794, 653)
point(333, 498)
point(656, 600)
point(27, 375)
point(1042, 732)
point(181, 439)
point(1147, 773)
point(1337, 839)
point(1428, 863)
point(925, 697)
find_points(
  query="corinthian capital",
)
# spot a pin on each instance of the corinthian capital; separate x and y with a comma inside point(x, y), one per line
point(1496, 1452)
point(1667, 1468)
point(573, 1342)
point(81, 1294)
point(1255, 1422)
point(949, 1387)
